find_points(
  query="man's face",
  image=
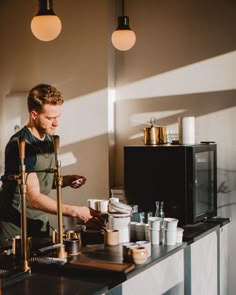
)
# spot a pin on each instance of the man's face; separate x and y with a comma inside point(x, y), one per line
point(47, 120)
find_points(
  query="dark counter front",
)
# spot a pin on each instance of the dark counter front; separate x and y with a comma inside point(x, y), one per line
point(64, 279)
point(193, 232)
point(73, 279)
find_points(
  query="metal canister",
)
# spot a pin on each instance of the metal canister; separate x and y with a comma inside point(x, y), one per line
point(151, 135)
point(162, 135)
point(155, 135)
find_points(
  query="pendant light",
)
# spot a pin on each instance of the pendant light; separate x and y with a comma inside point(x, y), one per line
point(46, 25)
point(123, 38)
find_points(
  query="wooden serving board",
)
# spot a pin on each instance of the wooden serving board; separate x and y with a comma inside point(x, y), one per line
point(100, 265)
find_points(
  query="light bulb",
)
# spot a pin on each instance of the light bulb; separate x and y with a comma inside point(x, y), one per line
point(123, 39)
point(46, 27)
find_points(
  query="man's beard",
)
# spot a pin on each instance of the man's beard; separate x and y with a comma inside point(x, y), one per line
point(43, 130)
point(50, 131)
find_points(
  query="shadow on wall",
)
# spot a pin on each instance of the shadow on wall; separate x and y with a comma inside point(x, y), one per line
point(182, 105)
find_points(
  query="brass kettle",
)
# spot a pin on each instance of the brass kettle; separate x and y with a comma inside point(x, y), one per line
point(155, 135)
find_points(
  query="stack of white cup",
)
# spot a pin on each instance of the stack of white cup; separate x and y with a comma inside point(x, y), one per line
point(100, 205)
point(170, 230)
point(120, 222)
point(147, 237)
point(155, 230)
point(140, 231)
point(133, 231)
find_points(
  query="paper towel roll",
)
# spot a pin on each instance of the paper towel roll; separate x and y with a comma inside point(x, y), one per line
point(186, 130)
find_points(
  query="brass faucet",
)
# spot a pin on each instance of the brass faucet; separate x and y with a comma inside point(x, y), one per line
point(23, 190)
point(61, 253)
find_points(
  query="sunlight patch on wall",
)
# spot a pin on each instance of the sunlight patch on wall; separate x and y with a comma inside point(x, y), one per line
point(83, 118)
point(111, 103)
point(146, 118)
point(110, 115)
point(214, 74)
point(67, 159)
point(16, 112)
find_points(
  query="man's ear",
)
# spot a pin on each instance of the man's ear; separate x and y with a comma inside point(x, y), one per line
point(34, 114)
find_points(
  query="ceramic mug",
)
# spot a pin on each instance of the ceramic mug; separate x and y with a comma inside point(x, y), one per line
point(139, 254)
point(111, 237)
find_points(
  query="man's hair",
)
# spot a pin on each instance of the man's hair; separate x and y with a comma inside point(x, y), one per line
point(43, 94)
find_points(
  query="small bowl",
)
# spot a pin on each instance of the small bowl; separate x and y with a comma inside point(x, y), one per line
point(139, 255)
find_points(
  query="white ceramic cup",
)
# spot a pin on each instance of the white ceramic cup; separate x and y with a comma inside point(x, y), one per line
point(154, 222)
point(170, 223)
point(170, 236)
point(93, 203)
point(154, 236)
point(179, 235)
point(103, 206)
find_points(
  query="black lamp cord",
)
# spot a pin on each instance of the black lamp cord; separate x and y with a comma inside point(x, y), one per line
point(123, 9)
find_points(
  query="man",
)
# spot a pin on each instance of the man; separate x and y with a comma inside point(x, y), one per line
point(44, 107)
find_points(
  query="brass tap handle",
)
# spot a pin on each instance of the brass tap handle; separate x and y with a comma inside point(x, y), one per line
point(59, 180)
point(23, 189)
point(22, 149)
point(56, 141)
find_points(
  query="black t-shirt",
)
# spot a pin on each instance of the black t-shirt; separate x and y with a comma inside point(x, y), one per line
point(12, 160)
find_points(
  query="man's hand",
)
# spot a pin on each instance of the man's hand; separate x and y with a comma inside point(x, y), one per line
point(74, 181)
point(98, 220)
point(86, 215)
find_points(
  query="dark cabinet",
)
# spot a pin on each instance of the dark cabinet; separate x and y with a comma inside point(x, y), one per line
point(184, 177)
